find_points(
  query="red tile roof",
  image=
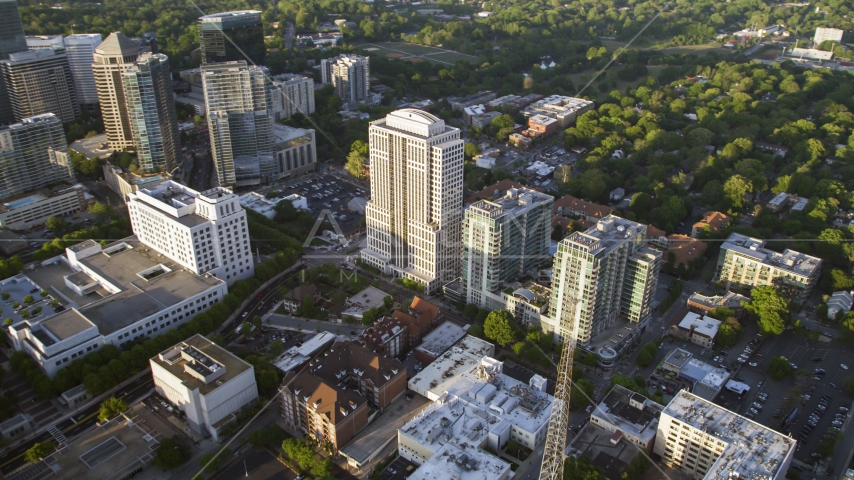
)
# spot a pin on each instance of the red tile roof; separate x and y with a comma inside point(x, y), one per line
point(569, 203)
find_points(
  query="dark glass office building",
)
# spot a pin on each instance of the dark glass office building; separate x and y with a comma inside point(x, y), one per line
point(12, 40)
point(228, 36)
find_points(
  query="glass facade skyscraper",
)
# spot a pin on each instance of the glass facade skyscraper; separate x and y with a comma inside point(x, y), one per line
point(151, 112)
point(33, 154)
point(232, 36)
point(241, 128)
point(12, 40)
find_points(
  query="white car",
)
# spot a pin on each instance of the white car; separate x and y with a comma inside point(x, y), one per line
point(753, 364)
point(844, 367)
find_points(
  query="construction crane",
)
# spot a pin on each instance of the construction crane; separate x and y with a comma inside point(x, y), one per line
point(552, 467)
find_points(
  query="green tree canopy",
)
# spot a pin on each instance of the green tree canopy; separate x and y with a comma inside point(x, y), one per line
point(770, 308)
point(110, 408)
point(498, 327)
point(38, 451)
point(173, 452)
point(779, 368)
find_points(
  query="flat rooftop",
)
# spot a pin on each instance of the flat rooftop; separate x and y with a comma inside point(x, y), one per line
point(139, 298)
point(371, 297)
point(452, 461)
point(701, 324)
point(296, 136)
point(594, 443)
point(520, 405)
point(790, 260)
point(678, 358)
point(118, 446)
point(514, 202)
point(383, 430)
point(437, 377)
point(752, 451)
point(630, 412)
point(608, 233)
point(441, 339)
point(175, 365)
point(296, 356)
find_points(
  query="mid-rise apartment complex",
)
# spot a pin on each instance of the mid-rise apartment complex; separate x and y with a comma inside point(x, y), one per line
point(80, 49)
point(240, 125)
point(40, 81)
point(504, 239)
point(21, 212)
point(602, 273)
point(745, 262)
point(147, 86)
point(232, 36)
point(205, 231)
point(329, 400)
point(706, 441)
point(207, 382)
point(351, 76)
point(415, 211)
point(111, 58)
point(33, 154)
point(291, 94)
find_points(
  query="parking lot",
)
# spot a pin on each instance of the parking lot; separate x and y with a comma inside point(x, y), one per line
point(399, 469)
point(327, 193)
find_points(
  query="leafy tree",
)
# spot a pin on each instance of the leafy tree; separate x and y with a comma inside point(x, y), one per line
point(256, 322)
point(245, 329)
point(29, 299)
point(276, 348)
point(580, 468)
point(211, 462)
point(58, 225)
point(771, 309)
point(369, 316)
point(471, 150)
point(470, 311)
point(102, 212)
point(518, 347)
point(388, 302)
point(498, 327)
point(110, 408)
point(729, 332)
point(647, 354)
point(589, 360)
point(735, 188)
point(172, 453)
point(39, 451)
point(270, 435)
point(780, 368)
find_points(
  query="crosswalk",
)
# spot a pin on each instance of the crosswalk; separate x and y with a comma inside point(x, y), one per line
point(58, 436)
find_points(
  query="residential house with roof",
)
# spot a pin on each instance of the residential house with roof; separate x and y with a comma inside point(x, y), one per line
point(713, 221)
point(420, 318)
point(704, 305)
point(630, 414)
point(294, 298)
point(684, 249)
point(839, 302)
point(698, 329)
point(569, 206)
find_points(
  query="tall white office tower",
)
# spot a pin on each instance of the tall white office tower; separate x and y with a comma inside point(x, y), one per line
point(80, 49)
point(110, 59)
point(415, 212)
point(205, 231)
point(241, 128)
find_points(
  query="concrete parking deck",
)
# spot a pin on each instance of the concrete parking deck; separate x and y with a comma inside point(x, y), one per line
point(377, 435)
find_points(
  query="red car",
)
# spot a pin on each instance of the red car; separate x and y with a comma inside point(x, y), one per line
point(258, 335)
point(258, 297)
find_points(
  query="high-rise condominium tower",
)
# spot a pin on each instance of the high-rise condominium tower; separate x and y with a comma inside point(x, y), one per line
point(503, 240)
point(80, 49)
point(350, 75)
point(241, 128)
point(416, 206)
point(40, 81)
point(151, 111)
point(12, 40)
point(232, 36)
point(33, 153)
point(291, 94)
point(602, 273)
point(111, 58)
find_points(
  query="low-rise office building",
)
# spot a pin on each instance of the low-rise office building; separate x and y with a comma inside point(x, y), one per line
point(25, 211)
point(704, 305)
point(438, 342)
point(483, 405)
point(631, 414)
point(435, 379)
point(562, 108)
point(207, 382)
point(125, 291)
point(294, 151)
point(697, 329)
